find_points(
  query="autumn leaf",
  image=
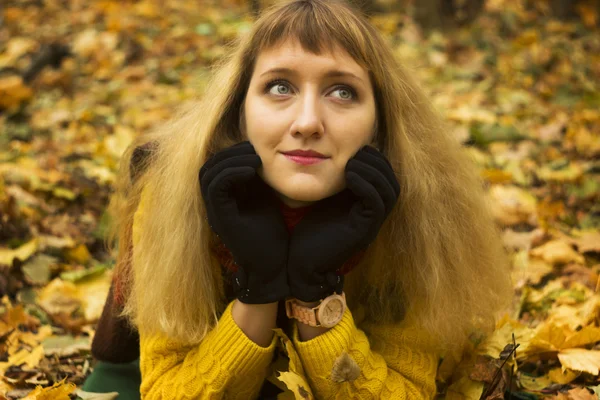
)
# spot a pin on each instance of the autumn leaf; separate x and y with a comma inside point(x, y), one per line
point(22, 253)
point(465, 389)
point(562, 375)
point(517, 87)
point(557, 251)
point(580, 360)
point(13, 91)
point(59, 391)
point(534, 383)
point(297, 385)
point(97, 396)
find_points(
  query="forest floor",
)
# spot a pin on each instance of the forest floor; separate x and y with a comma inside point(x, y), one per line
point(79, 80)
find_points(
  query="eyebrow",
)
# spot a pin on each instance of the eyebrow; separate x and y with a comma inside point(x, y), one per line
point(330, 74)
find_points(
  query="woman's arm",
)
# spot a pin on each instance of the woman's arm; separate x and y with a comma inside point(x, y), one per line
point(396, 361)
point(257, 321)
point(226, 364)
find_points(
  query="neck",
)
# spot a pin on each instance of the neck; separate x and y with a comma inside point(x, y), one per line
point(293, 204)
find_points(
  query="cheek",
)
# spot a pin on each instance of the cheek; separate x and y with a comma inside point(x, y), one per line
point(261, 128)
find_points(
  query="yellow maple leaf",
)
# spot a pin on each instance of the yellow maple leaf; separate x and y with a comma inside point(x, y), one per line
point(59, 391)
point(562, 375)
point(557, 251)
point(30, 358)
point(588, 335)
point(576, 315)
point(503, 335)
point(23, 252)
point(580, 360)
point(550, 337)
point(79, 254)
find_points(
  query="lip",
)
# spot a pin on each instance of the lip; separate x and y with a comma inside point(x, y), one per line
point(304, 153)
point(304, 157)
point(304, 160)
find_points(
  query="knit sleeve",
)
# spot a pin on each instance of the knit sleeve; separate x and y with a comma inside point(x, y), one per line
point(225, 365)
point(394, 362)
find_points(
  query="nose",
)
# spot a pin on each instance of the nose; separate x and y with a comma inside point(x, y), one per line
point(308, 120)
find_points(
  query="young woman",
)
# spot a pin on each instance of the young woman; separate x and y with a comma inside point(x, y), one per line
point(310, 215)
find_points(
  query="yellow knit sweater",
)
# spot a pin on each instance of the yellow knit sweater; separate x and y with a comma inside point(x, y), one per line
point(396, 362)
point(389, 362)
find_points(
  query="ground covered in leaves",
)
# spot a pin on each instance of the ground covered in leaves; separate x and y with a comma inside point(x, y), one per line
point(79, 80)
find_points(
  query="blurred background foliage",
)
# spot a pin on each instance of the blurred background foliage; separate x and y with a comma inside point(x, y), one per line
point(517, 81)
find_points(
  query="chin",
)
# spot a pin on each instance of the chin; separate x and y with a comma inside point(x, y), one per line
point(308, 193)
point(304, 194)
point(304, 189)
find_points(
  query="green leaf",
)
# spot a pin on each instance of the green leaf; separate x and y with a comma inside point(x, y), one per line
point(37, 269)
point(83, 274)
point(484, 134)
point(103, 225)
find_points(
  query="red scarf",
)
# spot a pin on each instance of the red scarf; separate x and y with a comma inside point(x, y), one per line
point(291, 216)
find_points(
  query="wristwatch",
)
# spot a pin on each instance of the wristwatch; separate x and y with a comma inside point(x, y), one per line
point(327, 314)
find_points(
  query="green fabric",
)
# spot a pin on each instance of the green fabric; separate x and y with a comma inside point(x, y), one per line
point(124, 379)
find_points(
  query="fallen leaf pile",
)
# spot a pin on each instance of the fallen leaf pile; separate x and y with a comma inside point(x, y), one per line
point(79, 80)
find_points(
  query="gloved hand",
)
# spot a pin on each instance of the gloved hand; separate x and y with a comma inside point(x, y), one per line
point(341, 225)
point(242, 211)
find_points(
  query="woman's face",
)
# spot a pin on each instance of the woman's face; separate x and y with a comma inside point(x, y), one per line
point(301, 101)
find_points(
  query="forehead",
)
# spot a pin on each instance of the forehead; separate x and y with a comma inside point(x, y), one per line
point(290, 53)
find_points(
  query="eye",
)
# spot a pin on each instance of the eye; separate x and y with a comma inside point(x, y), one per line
point(282, 87)
point(346, 93)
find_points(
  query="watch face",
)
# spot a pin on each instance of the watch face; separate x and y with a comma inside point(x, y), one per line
point(331, 312)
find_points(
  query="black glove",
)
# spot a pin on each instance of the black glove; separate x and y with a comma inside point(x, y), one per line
point(242, 210)
point(341, 225)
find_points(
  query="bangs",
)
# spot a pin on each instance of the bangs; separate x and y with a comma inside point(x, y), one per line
point(316, 27)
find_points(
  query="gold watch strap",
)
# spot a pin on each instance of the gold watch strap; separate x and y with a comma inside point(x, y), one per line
point(304, 314)
point(308, 315)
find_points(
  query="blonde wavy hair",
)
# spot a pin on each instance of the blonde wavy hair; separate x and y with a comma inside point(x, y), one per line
point(438, 257)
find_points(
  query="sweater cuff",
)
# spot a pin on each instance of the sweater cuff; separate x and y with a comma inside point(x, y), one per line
point(319, 354)
point(236, 350)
